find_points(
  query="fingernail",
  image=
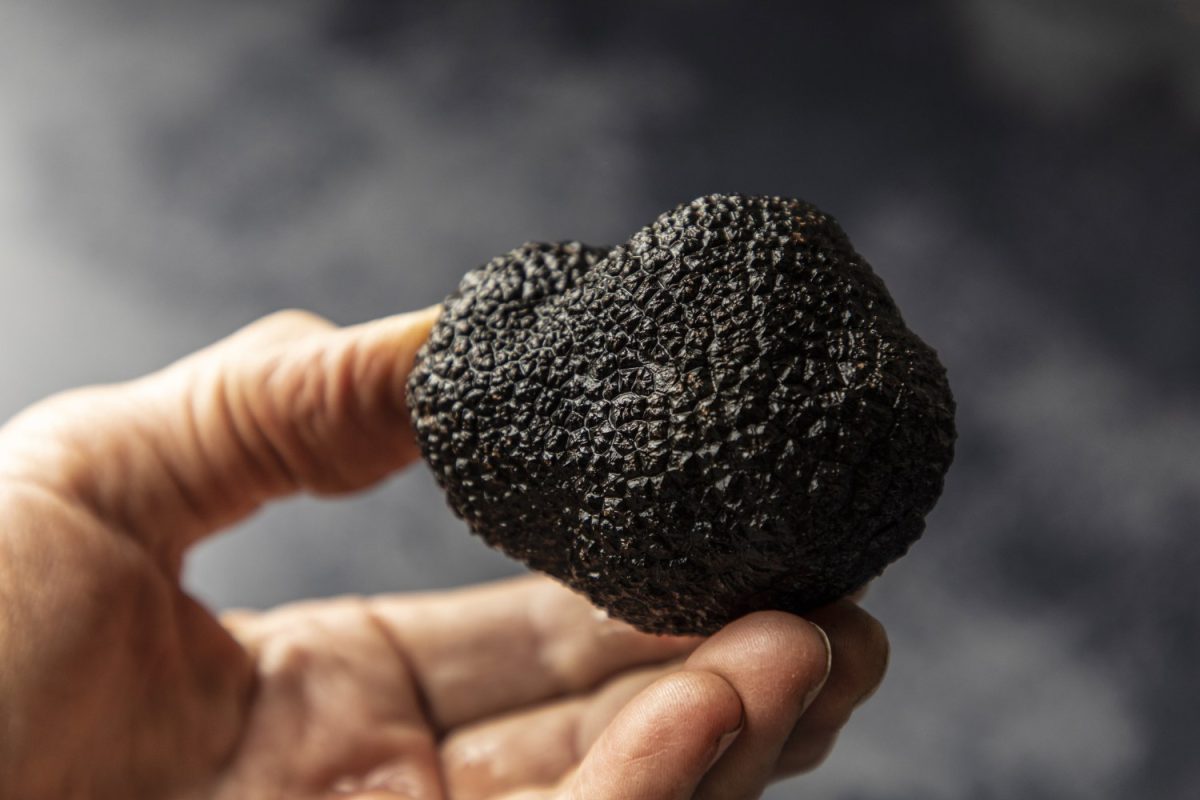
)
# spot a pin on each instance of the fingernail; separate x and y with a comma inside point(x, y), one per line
point(723, 744)
point(816, 690)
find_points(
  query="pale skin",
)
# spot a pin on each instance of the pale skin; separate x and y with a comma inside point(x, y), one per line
point(114, 683)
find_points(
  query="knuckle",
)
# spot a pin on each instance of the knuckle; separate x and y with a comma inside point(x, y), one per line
point(291, 319)
point(287, 656)
point(303, 408)
point(276, 328)
point(299, 410)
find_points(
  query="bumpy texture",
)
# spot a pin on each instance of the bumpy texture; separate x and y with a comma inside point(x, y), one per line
point(725, 414)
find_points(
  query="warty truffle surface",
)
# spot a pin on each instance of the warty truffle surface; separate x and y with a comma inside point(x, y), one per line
point(724, 414)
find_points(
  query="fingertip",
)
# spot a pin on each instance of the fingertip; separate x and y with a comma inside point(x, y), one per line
point(406, 325)
point(393, 342)
point(430, 312)
point(778, 663)
point(321, 410)
point(861, 643)
point(775, 644)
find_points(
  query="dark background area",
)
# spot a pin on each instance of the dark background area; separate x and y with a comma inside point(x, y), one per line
point(1025, 175)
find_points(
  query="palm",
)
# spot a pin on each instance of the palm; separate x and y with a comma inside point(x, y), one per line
point(335, 708)
point(470, 694)
point(481, 693)
point(335, 696)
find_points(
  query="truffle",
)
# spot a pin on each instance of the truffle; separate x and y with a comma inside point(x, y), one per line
point(724, 414)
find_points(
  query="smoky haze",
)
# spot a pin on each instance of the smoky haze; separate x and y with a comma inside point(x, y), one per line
point(1025, 176)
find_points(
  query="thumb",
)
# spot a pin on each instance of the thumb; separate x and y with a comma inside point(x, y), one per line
point(289, 403)
point(661, 744)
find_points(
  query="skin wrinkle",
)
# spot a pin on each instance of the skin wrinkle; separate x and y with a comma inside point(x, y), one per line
point(33, 482)
point(97, 489)
point(169, 554)
point(264, 424)
point(315, 392)
point(242, 433)
point(341, 408)
point(249, 436)
point(190, 416)
point(397, 648)
point(357, 410)
point(304, 398)
point(209, 387)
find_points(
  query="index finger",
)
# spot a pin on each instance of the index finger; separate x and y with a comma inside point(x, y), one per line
point(289, 404)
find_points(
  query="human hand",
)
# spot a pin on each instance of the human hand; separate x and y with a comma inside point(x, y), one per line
point(115, 683)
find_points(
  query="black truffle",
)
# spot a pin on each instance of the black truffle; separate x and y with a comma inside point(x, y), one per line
point(727, 413)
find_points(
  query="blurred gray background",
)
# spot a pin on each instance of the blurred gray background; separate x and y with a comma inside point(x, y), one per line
point(1025, 175)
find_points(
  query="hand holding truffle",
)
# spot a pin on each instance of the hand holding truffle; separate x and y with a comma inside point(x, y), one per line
point(114, 683)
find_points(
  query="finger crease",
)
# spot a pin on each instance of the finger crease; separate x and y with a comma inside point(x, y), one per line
point(172, 548)
point(273, 455)
point(424, 705)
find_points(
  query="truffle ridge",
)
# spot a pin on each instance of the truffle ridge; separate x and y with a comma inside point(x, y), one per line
point(724, 414)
